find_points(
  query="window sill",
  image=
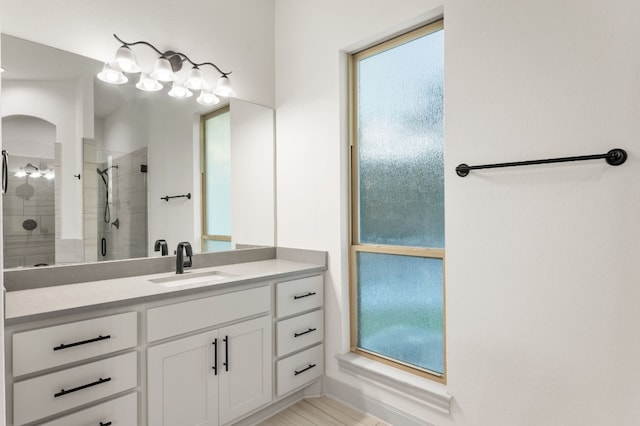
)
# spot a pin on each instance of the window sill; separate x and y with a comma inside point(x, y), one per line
point(423, 391)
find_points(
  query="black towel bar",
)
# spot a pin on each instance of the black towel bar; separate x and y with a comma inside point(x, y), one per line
point(167, 197)
point(615, 157)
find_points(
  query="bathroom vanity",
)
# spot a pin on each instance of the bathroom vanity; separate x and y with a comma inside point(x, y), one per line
point(214, 346)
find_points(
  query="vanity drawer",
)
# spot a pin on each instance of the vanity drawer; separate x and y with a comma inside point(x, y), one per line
point(52, 393)
point(299, 295)
point(179, 318)
point(121, 411)
point(299, 369)
point(297, 332)
point(63, 344)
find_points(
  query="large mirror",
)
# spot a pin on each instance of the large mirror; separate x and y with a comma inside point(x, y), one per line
point(91, 165)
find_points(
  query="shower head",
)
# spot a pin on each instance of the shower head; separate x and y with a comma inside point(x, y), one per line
point(102, 172)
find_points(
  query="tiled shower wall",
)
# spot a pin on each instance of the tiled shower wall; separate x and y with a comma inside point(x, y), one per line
point(29, 198)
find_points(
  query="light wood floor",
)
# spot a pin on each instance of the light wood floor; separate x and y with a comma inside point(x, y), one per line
point(319, 412)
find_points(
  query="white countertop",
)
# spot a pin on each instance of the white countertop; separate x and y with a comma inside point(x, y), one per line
point(22, 304)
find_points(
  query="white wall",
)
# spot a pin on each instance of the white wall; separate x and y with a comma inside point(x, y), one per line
point(125, 130)
point(542, 262)
point(173, 167)
point(29, 137)
point(252, 174)
point(235, 35)
point(56, 102)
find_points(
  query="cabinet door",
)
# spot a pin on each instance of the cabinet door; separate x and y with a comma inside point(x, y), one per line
point(245, 369)
point(182, 383)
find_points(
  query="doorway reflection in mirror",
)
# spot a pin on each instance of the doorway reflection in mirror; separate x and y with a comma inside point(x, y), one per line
point(29, 205)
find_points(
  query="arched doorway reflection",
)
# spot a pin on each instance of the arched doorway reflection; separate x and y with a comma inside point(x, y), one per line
point(29, 210)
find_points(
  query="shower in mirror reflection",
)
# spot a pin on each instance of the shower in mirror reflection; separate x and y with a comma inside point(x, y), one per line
point(115, 200)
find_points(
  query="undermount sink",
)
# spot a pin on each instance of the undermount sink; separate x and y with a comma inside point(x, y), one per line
point(193, 278)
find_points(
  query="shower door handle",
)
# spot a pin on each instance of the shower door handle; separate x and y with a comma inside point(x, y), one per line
point(103, 247)
point(5, 171)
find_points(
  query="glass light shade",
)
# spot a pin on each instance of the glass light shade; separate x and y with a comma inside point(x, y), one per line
point(50, 174)
point(195, 80)
point(162, 71)
point(112, 75)
point(207, 97)
point(223, 87)
point(179, 91)
point(148, 84)
point(20, 173)
point(125, 60)
point(31, 171)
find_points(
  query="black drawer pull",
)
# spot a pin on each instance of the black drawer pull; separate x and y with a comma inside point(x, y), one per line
point(84, 342)
point(311, 293)
point(296, 372)
point(105, 424)
point(226, 353)
point(302, 333)
point(97, 382)
point(215, 356)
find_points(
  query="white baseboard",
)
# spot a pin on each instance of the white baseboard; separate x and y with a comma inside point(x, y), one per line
point(349, 395)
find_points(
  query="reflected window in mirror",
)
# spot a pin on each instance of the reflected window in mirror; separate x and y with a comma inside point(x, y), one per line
point(216, 180)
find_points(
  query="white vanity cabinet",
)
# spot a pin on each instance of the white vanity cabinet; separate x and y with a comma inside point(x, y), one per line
point(210, 356)
point(215, 376)
point(299, 333)
point(43, 348)
point(122, 411)
point(59, 368)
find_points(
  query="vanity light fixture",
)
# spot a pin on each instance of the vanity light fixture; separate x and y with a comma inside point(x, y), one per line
point(126, 60)
point(207, 97)
point(179, 91)
point(28, 170)
point(195, 80)
point(166, 69)
point(109, 74)
point(148, 84)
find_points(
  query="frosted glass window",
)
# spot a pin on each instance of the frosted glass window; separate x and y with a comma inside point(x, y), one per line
point(400, 308)
point(400, 144)
point(217, 159)
point(398, 216)
point(213, 245)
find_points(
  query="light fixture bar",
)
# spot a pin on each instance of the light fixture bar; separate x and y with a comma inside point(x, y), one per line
point(166, 68)
point(172, 56)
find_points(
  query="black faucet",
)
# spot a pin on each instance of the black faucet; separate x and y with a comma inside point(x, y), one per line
point(161, 245)
point(180, 262)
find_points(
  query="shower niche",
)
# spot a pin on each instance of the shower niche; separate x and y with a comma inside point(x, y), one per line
point(115, 200)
